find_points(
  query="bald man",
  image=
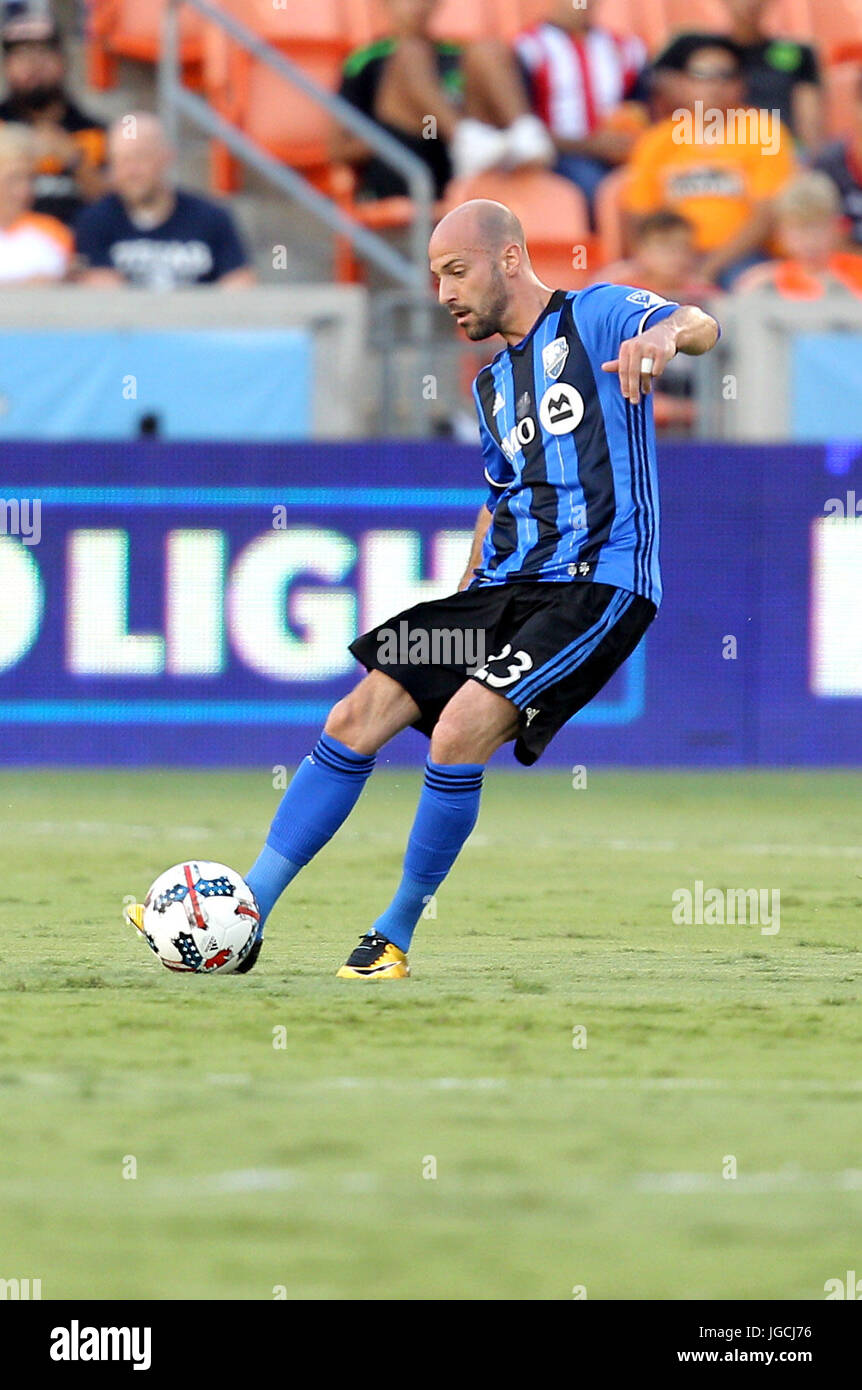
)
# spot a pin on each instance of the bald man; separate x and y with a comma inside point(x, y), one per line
point(149, 233)
point(562, 582)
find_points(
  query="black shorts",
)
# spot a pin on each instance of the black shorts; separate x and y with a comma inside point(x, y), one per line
point(549, 648)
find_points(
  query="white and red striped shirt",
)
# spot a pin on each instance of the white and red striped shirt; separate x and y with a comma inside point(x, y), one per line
point(578, 80)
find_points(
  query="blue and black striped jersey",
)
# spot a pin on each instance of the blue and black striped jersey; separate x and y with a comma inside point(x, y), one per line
point(570, 463)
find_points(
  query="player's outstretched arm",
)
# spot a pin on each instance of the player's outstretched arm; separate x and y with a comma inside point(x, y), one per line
point(483, 521)
point(688, 329)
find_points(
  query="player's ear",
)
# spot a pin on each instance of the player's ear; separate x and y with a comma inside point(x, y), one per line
point(512, 258)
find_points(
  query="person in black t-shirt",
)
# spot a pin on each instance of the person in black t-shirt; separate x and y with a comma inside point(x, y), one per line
point(149, 233)
point(70, 144)
point(780, 74)
point(461, 110)
point(842, 161)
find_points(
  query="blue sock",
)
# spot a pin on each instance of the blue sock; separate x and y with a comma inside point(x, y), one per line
point(447, 812)
point(322, 793)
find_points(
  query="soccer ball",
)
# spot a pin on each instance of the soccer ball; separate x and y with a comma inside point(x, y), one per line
point(200, 918)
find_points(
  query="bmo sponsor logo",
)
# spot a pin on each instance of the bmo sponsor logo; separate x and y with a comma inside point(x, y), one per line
point(561, 409)
point(518, 437)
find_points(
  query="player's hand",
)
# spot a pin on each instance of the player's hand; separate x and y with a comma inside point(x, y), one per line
point(642, 358)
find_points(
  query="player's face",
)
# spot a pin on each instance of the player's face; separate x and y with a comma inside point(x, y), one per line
point(472, 287)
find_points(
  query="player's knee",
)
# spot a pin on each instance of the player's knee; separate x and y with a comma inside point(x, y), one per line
point(455, 740)
point(345, 721)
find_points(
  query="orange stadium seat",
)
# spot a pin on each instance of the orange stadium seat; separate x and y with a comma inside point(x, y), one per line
point(288, 124)
point(554, 215)
point(132, 29)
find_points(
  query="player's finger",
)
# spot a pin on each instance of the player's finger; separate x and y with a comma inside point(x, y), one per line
point(629, 375)
point(611, 366)
point(647, 371)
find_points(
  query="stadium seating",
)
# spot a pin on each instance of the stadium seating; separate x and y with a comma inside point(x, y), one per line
point(132, 29)
point(609, 216)
point(268, 109)
point(554, 215)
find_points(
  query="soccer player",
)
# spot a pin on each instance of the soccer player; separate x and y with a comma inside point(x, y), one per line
point(562, 582)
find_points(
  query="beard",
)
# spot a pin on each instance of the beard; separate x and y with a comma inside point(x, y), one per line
point(36, 99)
point(488, 319)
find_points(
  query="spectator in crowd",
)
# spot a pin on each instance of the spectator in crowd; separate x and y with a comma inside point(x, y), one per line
point(780, 74)
point(664, 260)
point(811, 234)
point(715, 162)
point(148, 232)
point(70, 144)
point(582, 79)
point(462, 111)
point(34, 249)
point(842, 161)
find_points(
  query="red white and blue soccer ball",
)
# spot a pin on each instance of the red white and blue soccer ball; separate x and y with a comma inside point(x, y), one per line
point(200, 918)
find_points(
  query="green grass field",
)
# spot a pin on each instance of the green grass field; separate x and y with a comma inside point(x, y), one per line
point(302, 1168)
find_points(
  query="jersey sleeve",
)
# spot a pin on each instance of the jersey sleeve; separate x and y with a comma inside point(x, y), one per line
point(497, 468)
point(609, 314)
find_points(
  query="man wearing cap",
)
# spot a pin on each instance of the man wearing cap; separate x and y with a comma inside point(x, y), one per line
point(70, 144)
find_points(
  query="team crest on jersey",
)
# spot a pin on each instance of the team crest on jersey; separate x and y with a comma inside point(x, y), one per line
point(562, 409)
point(646, 298)
point(554, 357)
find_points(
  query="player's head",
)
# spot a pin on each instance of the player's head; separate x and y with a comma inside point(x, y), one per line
point(479, 257)
point(410, 18)
point(808, 212)
point(17, 163)
point(140, 158)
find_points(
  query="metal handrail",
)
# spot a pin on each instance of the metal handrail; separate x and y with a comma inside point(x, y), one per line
point(175, 98)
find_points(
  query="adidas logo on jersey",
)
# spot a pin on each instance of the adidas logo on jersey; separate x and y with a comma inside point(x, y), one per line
point(498, 403)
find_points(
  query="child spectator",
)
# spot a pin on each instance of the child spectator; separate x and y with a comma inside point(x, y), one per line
point(811, 232)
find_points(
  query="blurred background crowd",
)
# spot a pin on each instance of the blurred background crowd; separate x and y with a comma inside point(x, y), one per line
point(698, 149)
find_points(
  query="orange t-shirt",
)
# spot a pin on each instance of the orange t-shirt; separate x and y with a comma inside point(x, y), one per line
point(792, 281)
point(714, 186)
